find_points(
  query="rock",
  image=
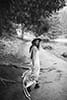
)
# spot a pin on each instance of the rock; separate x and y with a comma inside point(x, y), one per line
point(48, 47)
point(64, 55)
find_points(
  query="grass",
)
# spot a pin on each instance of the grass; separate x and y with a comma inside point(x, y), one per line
point(14, 51)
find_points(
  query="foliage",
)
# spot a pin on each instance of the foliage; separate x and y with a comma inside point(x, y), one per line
point(55, 25)
point(32, 13)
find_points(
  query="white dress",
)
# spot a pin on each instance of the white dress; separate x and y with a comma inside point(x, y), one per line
point(35, 63)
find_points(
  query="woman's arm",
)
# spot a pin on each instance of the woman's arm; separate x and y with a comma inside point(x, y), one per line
point(34, 51)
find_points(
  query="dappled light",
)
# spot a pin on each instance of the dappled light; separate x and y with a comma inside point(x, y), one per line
point(43, 22)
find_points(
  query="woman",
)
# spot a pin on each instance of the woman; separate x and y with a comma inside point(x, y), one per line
point(34, 50)
point(31, 76)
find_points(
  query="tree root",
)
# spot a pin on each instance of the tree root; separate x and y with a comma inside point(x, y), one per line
point(3, 80)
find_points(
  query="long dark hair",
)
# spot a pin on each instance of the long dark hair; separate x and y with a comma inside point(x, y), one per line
point(34, 44)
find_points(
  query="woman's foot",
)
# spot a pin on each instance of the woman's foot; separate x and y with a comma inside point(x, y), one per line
point(29, 89)
point(37, 85)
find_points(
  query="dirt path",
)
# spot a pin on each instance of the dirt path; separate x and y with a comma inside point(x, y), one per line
point(53, 78)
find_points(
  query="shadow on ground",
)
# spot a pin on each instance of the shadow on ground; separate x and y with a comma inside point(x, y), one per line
point(11, 83)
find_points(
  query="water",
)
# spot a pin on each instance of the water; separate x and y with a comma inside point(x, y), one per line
point(11, 90)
